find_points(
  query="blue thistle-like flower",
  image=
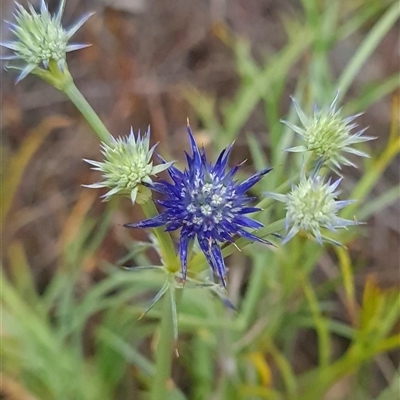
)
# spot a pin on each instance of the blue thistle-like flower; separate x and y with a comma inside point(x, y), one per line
point(312, 205)
point(40, 38)
point(328, 135)
point(206, 203)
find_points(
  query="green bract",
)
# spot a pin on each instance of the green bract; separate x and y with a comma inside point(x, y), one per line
point(40, 39)
point(327, 135)
point(311, 205)
point(127, 166)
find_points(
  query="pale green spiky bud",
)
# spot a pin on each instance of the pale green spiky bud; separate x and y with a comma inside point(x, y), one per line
point(328, 135)
point(127, 167)
point(40, 39)
point(312, 205)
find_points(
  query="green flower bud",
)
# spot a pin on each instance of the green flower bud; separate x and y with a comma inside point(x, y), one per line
point(127, 167)
point(327, 135)
point(312, 205)
point(41, 39)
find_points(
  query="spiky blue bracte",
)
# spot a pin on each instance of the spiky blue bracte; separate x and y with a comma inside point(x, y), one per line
point(206, 203)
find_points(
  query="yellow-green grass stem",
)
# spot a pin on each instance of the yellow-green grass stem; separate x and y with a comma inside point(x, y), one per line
point(161, 385)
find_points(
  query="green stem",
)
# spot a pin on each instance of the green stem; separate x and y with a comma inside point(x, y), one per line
point(63, 81)
point(166, 246)
point(87, 111)
point(159, 388)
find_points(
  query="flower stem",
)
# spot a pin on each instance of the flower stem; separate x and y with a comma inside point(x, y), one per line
point(166, 246)
point(87, 111)
point(63, 81)
point(165, 242)
point(164, 350)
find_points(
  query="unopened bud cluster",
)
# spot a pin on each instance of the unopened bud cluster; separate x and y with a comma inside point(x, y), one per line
point(312, 204)
point(327, 135)
point(40, 39)
point(127, 167)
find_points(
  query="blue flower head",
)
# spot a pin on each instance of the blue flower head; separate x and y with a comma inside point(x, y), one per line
point(206, 203)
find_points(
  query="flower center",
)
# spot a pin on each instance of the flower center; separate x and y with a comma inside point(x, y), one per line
point(41, 39)
point(325, 135)
point(310, 205)
point(207, 203)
